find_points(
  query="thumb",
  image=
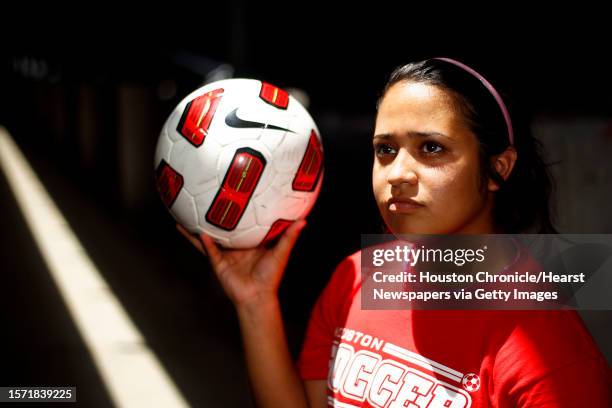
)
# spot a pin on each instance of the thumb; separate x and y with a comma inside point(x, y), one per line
point(288, 239)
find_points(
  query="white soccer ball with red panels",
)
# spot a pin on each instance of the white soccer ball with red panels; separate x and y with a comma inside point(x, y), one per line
point(239, 159)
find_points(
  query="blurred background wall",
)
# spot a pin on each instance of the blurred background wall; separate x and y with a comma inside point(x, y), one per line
point(87, 107)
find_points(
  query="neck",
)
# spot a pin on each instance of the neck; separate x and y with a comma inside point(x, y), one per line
point(482, 222)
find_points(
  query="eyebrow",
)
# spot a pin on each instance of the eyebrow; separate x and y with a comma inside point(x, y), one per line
point(412, 134)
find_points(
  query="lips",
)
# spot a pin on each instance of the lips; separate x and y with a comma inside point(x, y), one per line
point(403, 205)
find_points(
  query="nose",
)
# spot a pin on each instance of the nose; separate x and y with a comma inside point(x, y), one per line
point(402, 170)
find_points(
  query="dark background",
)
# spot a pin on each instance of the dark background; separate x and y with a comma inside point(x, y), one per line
point(86, 98)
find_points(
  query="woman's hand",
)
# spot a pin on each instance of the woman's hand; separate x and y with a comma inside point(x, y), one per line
point(248, 276)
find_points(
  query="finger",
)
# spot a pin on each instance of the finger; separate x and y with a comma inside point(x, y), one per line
point(211, 247)
point(288, 239)
point(194, 241)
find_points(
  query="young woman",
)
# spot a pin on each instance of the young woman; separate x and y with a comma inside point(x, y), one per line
point(447, 160)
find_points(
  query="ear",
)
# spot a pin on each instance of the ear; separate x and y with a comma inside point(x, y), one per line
point(503, 164)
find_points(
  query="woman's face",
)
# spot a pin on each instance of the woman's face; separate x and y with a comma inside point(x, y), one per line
point(424, 151)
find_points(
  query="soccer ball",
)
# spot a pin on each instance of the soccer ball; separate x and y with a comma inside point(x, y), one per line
point(239, 159)
point(471, 382)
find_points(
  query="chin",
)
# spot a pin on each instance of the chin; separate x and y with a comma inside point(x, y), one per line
point(417, 227)
point(407, 226)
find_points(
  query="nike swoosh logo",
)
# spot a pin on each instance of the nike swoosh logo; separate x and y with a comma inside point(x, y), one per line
point(232, 120)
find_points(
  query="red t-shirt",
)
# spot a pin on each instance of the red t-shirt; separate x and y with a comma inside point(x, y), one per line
point(448, 358)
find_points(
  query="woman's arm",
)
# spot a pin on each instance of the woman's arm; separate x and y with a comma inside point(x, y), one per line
point(316, 391)
point(274, 377)
point(251, 279)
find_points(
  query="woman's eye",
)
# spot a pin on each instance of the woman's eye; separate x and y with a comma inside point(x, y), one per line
point(432, 148)
point(383, 149)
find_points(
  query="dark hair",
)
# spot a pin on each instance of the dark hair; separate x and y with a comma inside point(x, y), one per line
point(523, 202)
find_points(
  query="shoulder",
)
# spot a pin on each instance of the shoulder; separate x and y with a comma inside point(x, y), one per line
point(341, 287)
point(347, 273)
point(544, 341)
point(548, 357)
point(558, 333)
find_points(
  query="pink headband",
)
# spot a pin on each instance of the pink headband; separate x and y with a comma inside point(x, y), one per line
point(491, 89)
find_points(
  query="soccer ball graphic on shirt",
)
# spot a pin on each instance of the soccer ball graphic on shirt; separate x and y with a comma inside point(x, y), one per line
point(471, 382)
point(239, 159)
